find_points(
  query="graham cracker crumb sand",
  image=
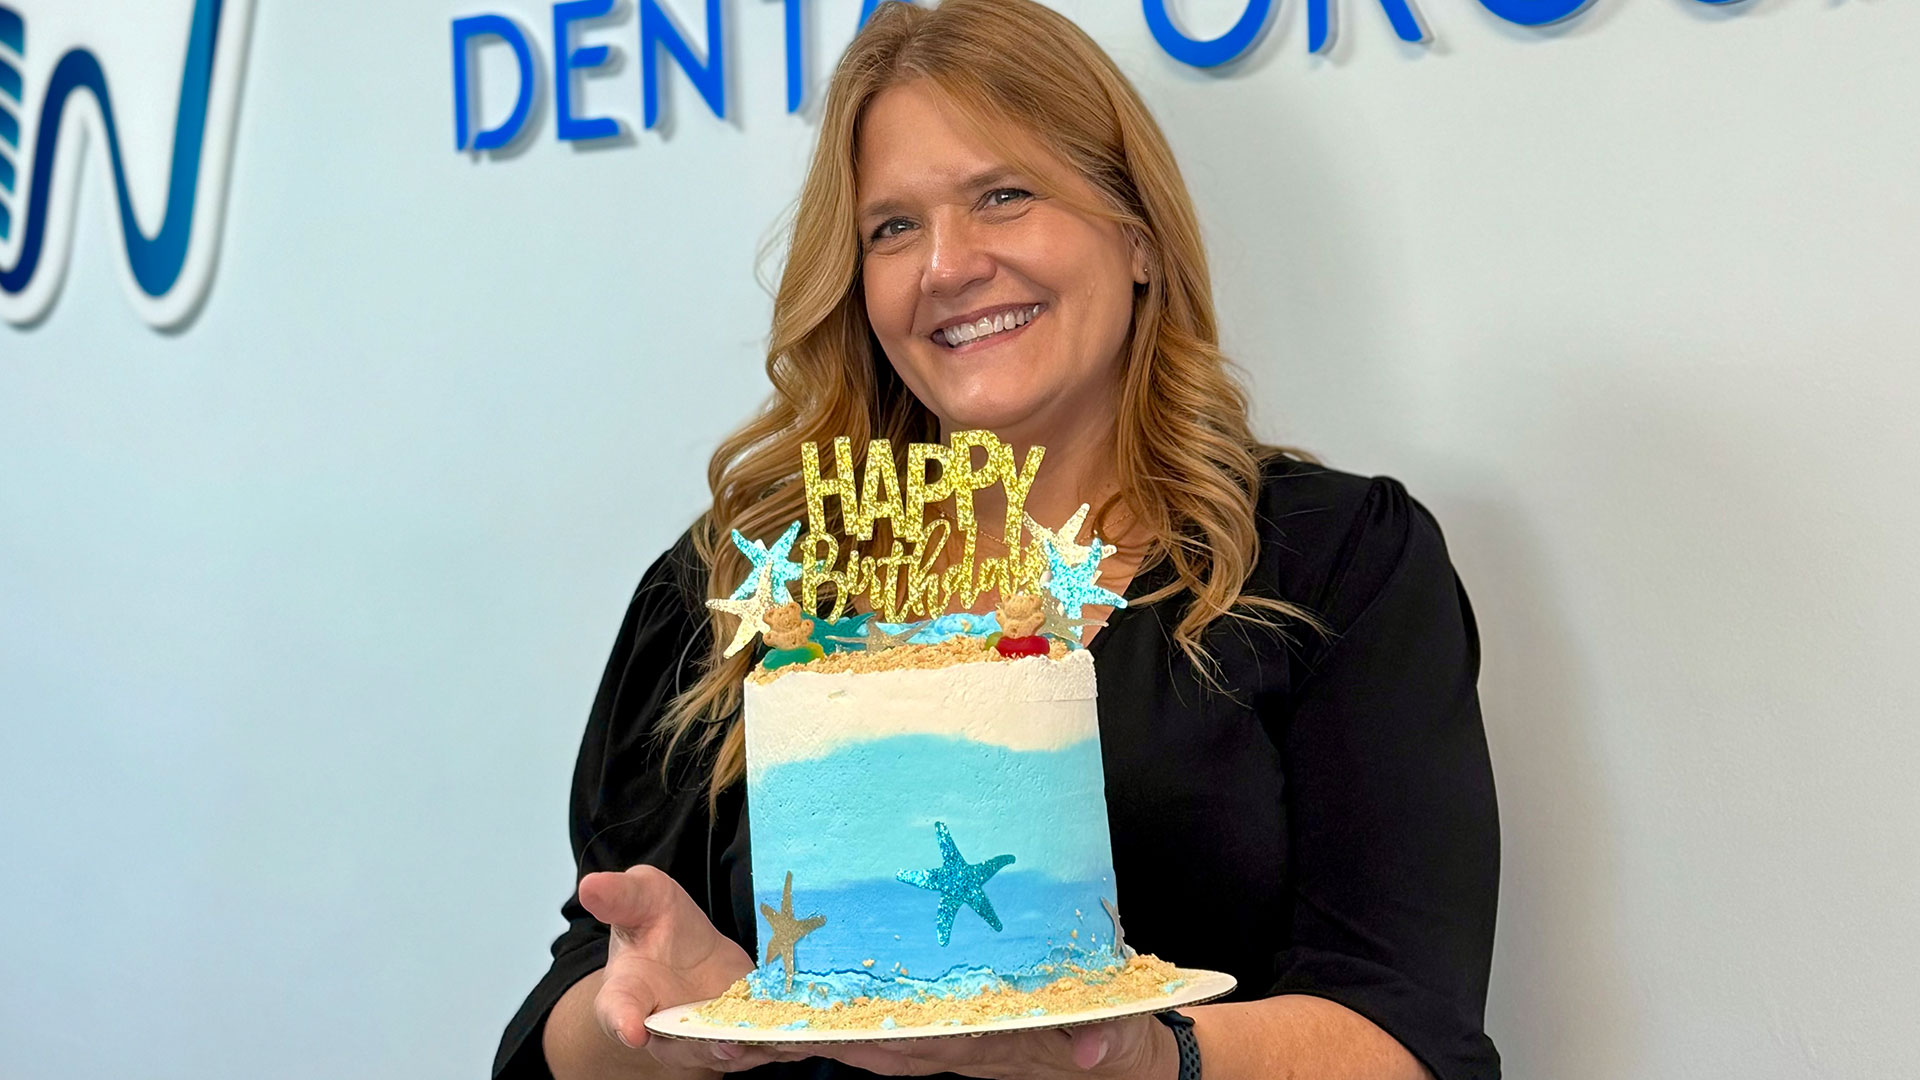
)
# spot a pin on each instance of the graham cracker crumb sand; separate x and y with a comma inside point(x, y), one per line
point(956, 650)
point(1143, 976)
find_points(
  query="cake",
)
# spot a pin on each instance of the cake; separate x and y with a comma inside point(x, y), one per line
point(926, 805)
point(929, 841)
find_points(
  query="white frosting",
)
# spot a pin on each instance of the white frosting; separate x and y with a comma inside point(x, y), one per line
point(1034, 703)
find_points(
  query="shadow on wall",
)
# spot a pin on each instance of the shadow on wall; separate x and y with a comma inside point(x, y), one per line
point(1558, 999)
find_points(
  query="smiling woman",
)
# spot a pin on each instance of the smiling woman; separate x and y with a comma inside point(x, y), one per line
point(1000, 297)
point(1296, 774)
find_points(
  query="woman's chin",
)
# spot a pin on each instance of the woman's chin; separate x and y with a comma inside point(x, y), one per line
point(988, 411)
point(993, 394)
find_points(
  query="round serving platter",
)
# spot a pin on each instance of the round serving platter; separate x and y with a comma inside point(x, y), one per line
point(684, 1022)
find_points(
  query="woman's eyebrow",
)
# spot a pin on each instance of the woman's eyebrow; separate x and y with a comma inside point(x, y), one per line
point(982, 179)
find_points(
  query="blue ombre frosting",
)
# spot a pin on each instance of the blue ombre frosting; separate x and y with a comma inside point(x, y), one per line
point(848, 775)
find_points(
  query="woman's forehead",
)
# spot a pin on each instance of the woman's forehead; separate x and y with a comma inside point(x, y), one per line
point(916, 146)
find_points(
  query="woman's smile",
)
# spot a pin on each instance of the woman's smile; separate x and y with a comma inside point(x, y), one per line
point(975, 332)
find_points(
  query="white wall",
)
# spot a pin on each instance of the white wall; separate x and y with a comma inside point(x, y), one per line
point(301, 607)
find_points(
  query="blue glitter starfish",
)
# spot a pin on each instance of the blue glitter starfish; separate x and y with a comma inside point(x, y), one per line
point(780, 569)
point(958, 882)
point(1073, 584)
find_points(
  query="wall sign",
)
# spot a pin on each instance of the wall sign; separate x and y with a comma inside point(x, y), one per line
point(56, 90)
point(660, 40)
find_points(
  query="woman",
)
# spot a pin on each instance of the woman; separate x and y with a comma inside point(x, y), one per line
point(1297, 778)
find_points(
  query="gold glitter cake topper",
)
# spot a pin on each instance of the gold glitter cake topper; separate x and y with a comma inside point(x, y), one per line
point(903, 582)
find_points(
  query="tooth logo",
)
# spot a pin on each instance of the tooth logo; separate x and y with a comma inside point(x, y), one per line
point(169, 184)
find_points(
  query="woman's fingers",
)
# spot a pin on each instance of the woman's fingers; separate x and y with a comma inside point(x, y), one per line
point(721, 1057)
point(878, 1058)
point(662, 952)
point(1123, 1045)
point(1089, 1045)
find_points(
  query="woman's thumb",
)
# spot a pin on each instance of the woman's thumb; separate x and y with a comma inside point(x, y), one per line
point(629, 899)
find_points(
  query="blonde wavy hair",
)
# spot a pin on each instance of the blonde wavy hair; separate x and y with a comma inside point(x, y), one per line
point(1189, 468)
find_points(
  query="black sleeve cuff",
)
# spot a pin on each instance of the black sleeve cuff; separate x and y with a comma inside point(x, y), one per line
point(1451, 1046)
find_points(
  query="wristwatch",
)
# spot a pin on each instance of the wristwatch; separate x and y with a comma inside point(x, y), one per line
point(1182, 1027)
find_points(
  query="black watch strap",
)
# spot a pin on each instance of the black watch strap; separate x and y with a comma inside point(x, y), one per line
point(1182, 1027)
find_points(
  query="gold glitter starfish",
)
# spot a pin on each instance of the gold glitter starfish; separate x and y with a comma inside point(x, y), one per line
point(1063, 537)
point(787, 930)
point(752, 611)
point(1120, 946)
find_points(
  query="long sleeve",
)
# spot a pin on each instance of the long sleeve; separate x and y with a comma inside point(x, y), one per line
point(1393, 830)
point(624, 809)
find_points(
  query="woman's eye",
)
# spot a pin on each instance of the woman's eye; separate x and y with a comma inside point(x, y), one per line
point(887, 231)
point(1006, 196)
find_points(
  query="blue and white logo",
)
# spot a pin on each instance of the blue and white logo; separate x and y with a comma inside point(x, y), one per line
point(165, 142)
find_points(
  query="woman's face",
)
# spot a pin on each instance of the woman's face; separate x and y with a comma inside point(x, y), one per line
point(1000, 305)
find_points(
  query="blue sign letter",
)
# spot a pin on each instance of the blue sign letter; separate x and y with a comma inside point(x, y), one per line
point(1539, 12)
point(796, 56)
point(709, 77)
point(1406, 24)
point(567, 60)
point(464, 31)
point(1228, 46)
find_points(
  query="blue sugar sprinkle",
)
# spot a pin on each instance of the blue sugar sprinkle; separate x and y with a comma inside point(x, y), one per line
point(888, 1023)
point(795, 1026)
point(823, 989)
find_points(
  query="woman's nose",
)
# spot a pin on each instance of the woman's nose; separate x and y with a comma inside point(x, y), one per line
point(956, 257)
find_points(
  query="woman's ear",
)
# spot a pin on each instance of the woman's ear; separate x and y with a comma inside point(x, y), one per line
point(1142, 264)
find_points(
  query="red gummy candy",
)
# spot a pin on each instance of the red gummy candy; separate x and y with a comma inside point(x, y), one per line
point(1023, 646)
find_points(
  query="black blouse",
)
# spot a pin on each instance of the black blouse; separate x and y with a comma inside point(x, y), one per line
point(1322, 822)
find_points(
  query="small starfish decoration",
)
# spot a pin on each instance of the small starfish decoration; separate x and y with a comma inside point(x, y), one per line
point(1120, 947)
point(959, 883)
point(751, 611)
point(1055, 623)
point(787, 930)
point(835, 635)
point(1063, 537)
point(877, 639)
point(1073, 585)
point(780, 569)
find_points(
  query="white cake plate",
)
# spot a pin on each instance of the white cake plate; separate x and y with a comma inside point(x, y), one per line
point(683, 1021)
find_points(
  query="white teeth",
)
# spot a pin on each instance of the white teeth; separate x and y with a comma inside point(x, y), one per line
point(998, 324)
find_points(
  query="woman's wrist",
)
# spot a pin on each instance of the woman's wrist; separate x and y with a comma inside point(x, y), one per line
point(1185, 1046)
point(1151, 1055)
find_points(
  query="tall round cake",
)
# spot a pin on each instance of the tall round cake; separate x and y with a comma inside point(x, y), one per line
point(929, 836)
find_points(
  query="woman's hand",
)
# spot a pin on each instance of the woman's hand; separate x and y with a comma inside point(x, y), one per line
point(1135, 1048)
point(663, 952)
